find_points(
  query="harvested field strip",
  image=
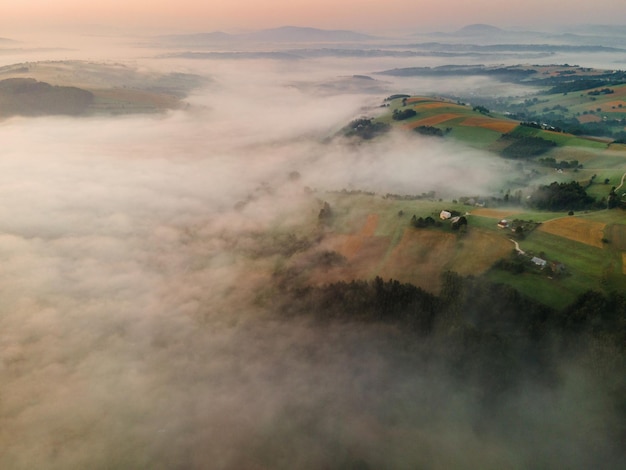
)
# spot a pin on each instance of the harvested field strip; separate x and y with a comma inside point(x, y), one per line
point(363, 256)
point(495, 213)
point(617, 235)
point(370, 226)
point(616, 103)
point(418, 258)
point(437, 105)
point(432, 120)
point(585, 118)
point(418, 100)
point(577, 229)
point(353, 243)
point(492, 124)
point(351, 246)
point(480, 251)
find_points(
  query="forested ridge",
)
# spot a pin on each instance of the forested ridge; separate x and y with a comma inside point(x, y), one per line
point(488, 336)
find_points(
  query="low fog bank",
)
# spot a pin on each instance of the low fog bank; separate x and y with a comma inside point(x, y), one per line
point(132, 336)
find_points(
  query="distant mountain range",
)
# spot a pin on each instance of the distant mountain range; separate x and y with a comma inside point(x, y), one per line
point(591, 35)
point(478, 29)
point(471, 39)
point(285, 34)
point(481, 31)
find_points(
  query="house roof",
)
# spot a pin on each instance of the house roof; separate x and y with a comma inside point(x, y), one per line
point(539, 261)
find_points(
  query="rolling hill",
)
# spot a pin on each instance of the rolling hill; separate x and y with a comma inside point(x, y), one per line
point(582, 249)
point(284, 34)
point(85, 88)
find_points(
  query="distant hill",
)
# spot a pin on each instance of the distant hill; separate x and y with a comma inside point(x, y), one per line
point(299, 34)
point(28, 97)
point(478, 29)
point(285, 34)
point(485, 33)
point(81, 88)
point(198, 38)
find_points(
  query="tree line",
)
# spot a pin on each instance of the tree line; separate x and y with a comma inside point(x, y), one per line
point(486, 333)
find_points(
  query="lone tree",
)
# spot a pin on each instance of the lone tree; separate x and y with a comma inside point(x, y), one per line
point(325, 214)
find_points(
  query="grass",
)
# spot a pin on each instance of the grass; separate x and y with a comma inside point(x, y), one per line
point(583, 261)
point(568, 140)
point(397, 250)
point(477, 137)
point(578, 229)
point(550, 292)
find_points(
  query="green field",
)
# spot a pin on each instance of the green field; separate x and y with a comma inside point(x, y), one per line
point(374, 236)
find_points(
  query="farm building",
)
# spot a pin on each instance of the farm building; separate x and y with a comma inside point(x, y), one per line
point(503, 223)
point(539, 262)
point(445, 215)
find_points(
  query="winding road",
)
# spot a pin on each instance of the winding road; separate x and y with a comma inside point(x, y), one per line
point(622, 183)
point(517, 248)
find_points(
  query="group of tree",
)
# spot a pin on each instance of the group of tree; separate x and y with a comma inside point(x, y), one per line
point(410, 197)
point(456, 222)
point(365, 128)
point(580, 83)
point(562, 164)
point(397, 96)
point(603, 91)
point(486, 333)
point(481, 109)
point(326, 214)
point(524, 146)
point(431, 131)
point(400, 115)
point(536, 125)
point(561, 196)
point(613, 200)
point(421, 222)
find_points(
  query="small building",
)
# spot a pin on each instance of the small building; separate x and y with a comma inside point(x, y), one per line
point(445, 215)
point(539, 262)
point(503, 223)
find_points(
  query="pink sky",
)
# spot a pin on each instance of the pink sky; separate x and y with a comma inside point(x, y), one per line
point(364, 15)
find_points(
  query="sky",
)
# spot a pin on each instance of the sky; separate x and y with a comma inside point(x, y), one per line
point(363, 15)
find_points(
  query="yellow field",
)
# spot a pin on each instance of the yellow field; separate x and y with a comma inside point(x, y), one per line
point(492, 124)
point(433, 120)
point(352, 244)
point(577, 229)
point(370, 226)
point(363, 256)
point(585, 118)
point(617, 235)
point(363, 252)
point(436, 105)
point(417, 100)
point(419, 258)
point(479, 251)
point(616, 103)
